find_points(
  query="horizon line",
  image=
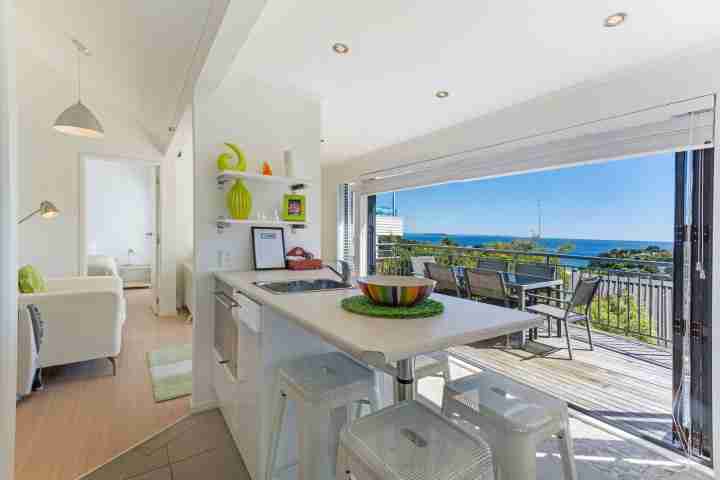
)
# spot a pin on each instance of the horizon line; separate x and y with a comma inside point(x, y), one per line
point(530, 238)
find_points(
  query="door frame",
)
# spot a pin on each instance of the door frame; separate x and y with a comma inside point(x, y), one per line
point(8, 238)
point(84, 159)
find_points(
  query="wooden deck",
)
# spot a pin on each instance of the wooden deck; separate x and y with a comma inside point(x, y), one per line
point(624, 389)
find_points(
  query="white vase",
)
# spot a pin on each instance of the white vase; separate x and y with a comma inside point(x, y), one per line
point(288, 163)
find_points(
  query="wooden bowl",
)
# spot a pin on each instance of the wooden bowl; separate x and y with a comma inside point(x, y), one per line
point(396, 291)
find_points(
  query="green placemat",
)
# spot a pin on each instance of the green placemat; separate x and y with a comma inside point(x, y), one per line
point(362, 305)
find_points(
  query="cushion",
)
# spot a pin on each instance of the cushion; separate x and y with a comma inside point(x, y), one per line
point(30, 280)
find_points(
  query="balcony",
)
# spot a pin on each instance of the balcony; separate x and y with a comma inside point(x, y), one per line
point(627, 379)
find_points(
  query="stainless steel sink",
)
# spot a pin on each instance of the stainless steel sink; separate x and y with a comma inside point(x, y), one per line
point(303, 286)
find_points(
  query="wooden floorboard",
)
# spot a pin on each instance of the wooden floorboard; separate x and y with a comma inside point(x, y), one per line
point(627, 391)
point(85, 416)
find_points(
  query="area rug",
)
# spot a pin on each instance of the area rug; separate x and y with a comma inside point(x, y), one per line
point(171, 372)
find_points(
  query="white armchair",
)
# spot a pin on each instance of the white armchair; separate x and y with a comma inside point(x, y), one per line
point(83, 319)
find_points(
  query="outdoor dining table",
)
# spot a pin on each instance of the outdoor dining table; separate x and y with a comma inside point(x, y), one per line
point(520, 283)
point(527, 283)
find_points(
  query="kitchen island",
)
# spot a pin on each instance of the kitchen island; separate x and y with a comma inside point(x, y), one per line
point(256, 330)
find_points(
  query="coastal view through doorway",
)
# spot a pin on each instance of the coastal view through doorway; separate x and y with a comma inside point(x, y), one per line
point(614, 221)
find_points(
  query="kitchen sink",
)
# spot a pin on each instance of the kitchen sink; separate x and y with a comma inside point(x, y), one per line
point(303, 286)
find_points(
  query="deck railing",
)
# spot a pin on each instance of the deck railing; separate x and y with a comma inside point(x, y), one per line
point(634, 298)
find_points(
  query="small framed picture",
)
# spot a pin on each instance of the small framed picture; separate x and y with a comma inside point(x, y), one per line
point(268, 248)
point(294, 208)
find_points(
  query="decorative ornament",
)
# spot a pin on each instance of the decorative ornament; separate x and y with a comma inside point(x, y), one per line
point(224, 160)
point(239, 201)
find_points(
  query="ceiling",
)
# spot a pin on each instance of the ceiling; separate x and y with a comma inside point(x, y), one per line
point(145, 53)
point(488, 54)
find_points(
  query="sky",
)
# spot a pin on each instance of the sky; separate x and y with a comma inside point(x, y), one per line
point(631, 199)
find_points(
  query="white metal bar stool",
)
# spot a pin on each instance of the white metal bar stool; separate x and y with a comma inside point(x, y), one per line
point(513, 418)
point(432, 365)
point(318, 384)
point(409, 441)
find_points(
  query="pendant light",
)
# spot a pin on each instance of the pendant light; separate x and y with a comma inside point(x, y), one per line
point(77, 119)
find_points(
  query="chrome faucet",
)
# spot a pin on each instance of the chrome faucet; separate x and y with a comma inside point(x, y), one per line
point(346, 270)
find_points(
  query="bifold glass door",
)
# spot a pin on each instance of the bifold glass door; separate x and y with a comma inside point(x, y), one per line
point(692, 305)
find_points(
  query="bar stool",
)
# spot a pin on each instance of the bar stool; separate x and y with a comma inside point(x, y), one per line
point(409, 441)
point(432, 365)
point(513, 418)
point(318, 384)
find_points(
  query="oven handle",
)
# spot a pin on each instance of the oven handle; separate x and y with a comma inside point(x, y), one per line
point(226, 300)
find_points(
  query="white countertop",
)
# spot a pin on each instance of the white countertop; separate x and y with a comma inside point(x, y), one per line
point(378, 340)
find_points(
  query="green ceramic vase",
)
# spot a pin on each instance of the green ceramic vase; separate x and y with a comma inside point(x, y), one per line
point(239, 201)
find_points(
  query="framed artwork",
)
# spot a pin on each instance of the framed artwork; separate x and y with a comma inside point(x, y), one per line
point(268, 245)
point(294, 208)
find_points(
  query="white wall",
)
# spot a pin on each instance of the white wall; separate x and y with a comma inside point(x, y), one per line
point(185, 201)
point(184, 181)
point(120, 209)
point(49, 161)
point(264, 121)
point(49, 166)
point(694, 74)
point(8, 255)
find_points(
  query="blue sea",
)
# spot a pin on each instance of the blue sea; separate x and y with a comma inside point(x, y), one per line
point(583, 247)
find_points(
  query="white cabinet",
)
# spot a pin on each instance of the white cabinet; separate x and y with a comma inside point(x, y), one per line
point(251, 341)
point(236, 373)
point(249, 389)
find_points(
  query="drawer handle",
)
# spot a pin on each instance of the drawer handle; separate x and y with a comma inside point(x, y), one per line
point(223, 362)
point(226, 300)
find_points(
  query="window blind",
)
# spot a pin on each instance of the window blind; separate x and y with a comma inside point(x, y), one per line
point(686, 125)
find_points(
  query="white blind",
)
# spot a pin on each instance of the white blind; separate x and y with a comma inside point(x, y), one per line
point(346, 230)
point(673, 127)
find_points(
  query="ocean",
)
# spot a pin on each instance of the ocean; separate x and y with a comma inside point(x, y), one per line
point(583, 247)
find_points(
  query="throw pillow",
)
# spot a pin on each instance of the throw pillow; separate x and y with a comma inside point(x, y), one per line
point(30, 280)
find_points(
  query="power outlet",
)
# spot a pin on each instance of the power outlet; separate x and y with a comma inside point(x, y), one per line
point(224, 259)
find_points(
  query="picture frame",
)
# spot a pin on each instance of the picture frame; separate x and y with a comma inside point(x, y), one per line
point(294, 208)
point(268, 245)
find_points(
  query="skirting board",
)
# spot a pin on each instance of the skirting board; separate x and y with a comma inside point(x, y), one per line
point(203, 406)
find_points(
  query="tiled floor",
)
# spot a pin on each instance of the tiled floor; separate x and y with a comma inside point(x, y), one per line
point(200, 446)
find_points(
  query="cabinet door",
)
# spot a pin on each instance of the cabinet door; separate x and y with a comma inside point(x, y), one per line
point(248, 389)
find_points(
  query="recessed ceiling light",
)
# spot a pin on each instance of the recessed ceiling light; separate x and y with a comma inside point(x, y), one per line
point(616, 19)
point(341, 48)
point(442, 94)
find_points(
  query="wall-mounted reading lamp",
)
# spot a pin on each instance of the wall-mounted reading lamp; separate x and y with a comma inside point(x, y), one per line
point(46, 210)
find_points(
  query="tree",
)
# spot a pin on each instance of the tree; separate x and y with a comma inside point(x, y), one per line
point(614, 313)
point(449, 242)
point(566, 248)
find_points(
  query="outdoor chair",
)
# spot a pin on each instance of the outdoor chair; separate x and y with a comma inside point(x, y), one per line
point(418, 265)
point(445, 278)
point(493, 264)
point(577, 309)
point(489, 287)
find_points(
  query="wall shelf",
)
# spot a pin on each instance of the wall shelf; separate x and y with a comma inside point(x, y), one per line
point(294, 183)
point(225, 223)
